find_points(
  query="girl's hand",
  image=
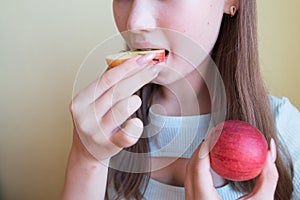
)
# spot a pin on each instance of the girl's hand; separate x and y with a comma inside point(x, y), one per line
point(199, 182)
point(105, 105)
point(267, 181)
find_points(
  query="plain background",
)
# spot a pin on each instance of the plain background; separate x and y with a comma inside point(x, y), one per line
point(43, 43)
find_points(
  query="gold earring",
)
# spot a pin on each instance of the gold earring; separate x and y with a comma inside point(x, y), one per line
point(232, 11)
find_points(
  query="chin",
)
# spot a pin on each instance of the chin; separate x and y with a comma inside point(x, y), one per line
point(167, 77)
point(170, 75)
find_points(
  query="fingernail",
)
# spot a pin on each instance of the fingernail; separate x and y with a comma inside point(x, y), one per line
point(273, 149)
point(145, 59)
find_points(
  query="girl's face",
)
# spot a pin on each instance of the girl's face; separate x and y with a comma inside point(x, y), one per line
point(186, 28)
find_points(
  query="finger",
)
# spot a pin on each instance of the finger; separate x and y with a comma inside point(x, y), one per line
point(128, 135)
point(199, 180)
point(119, 113)
point(116, 74)
point(266, 184)
point(111, 77)
point(267, 181)
point(192, 170)
point(202, 165)
point(124, 89)
point(209, 142)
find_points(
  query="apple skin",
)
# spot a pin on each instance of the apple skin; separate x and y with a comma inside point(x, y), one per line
point(240, 152)
point(119, 58)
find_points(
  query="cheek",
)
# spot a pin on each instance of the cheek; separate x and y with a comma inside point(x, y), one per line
point(120, 17)
point(120, 23)
point(200, 25)
point(207, 37)
point(212, 26)
point(208, 29)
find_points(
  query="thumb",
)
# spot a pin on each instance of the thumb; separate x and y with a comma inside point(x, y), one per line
point(199, 182)
point(267, 181)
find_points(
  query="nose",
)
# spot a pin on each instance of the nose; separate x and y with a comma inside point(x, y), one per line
point(141, 17)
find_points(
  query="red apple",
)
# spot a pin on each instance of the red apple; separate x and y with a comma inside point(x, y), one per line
point(240, 152)
point(117, 59)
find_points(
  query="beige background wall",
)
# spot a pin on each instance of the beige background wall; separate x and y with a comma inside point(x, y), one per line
point(279, 37)
point(42, 44)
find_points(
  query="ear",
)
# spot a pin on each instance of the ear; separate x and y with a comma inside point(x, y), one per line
point(228, 6)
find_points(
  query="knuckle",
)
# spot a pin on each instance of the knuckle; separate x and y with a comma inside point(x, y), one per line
point(118, 112)
point(95, 137)
point(84, 126)
point(116, 95)
point(106, 81)
point(87, 125)
point(74, 107)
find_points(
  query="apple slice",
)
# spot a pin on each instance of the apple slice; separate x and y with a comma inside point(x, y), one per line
point(119, 58)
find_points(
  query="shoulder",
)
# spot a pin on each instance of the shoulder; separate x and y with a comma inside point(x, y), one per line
point(285, 113)
point(282, 106)
point(286, 119)
point(287, 122)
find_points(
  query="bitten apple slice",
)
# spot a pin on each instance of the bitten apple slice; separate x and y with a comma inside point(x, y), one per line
point(119, 58)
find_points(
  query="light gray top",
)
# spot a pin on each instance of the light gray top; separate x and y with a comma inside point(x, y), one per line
point(180, 136)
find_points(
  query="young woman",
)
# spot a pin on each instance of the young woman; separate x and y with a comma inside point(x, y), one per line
point(111, 114)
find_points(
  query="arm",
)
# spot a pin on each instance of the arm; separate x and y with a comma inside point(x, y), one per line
point(98, 111)
point(85, 176)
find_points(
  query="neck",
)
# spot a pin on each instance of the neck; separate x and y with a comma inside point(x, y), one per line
point(187, 96)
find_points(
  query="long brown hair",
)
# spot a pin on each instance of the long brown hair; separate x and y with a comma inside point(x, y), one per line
point(236, 55)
